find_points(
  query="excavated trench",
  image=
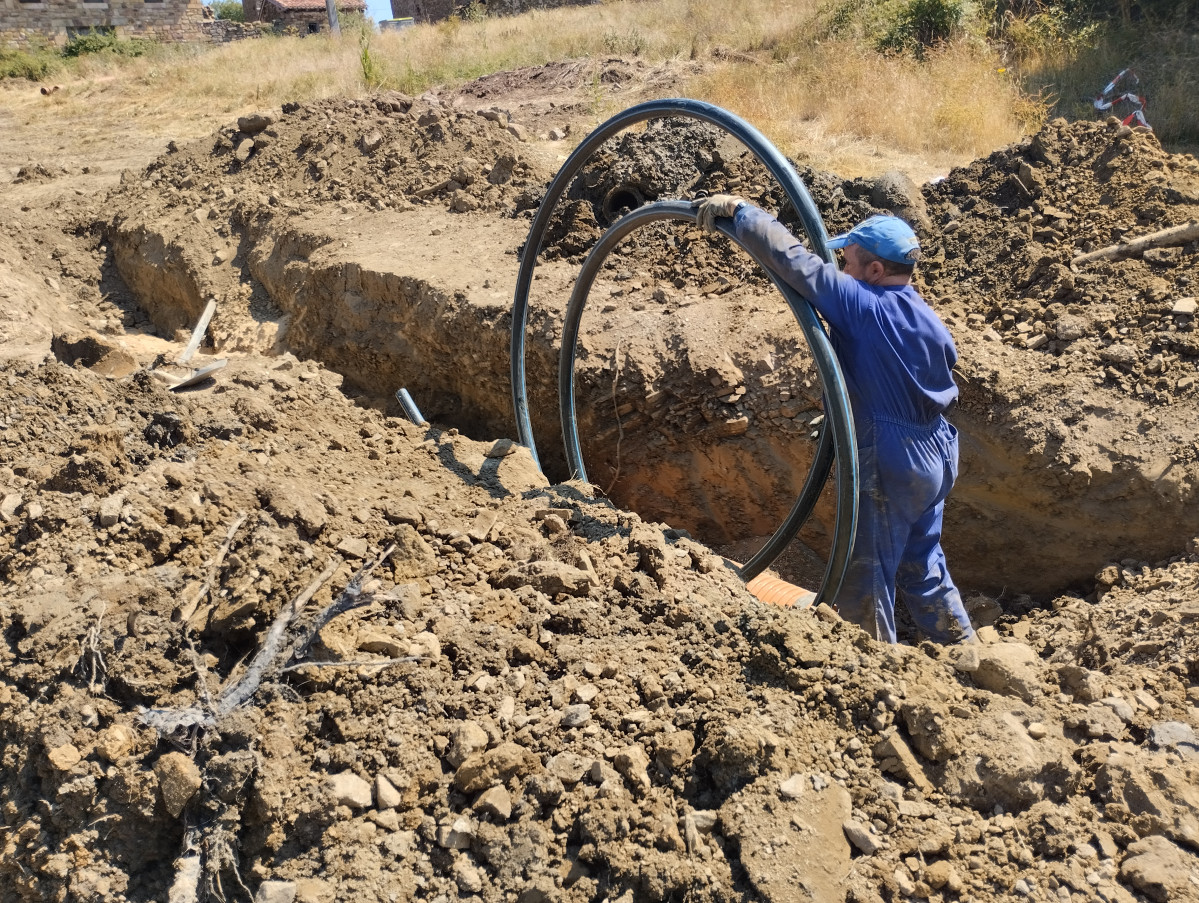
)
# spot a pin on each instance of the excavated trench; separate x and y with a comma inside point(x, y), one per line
point(697, 401)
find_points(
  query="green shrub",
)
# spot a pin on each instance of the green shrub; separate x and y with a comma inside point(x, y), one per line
point(229, 10)
point(920, 24)
point(33, 63)
point(106, 42)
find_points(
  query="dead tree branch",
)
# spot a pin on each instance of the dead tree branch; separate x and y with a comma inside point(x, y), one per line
point(351, 597)
point(1175, 235)
point(185, 722)
point(240, 692)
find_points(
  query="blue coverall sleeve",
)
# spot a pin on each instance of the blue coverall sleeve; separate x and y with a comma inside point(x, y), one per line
point(832, 293)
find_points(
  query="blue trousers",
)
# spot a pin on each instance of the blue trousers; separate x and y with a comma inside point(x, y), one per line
point(906, 473)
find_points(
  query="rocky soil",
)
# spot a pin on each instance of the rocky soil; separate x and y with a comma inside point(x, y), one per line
point(266, 639)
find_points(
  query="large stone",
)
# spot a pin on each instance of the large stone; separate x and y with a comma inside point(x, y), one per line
point(290, 502)
point(568, 767)
point(1175, 735)
point(9, 506)
point(576, 715)
point(350, 790)
point(425, 645)
point(386, 794)
point(737, 751)
point(549, 577)
point(64, 757)
point(1163, 798)
point(253, 123)
point(675, 749)
point(115, 742)
point(456, 834)
point(495, 802)
point(1161, 871)
point(466, 739)
point(1000, 764)
point(633, 764)
point(1010, 669)
point(178, 781)
point(862, 838)
point(276, 892)
point(793, 851)
point(383, 642)
point(495, 766)
point(244, 148)
point(1083, 684)
point(895, 756)
point(413, 557)
point(110, 509)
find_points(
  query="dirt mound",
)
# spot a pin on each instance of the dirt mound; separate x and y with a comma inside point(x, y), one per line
point(536, 695)
point(685, 158)
point(389, 152)
point(1008, 228)
point(36, 172)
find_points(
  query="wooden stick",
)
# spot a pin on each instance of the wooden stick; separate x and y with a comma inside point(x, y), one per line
point(1175, 235)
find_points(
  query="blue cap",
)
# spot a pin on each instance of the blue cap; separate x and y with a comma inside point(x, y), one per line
point(887, 237)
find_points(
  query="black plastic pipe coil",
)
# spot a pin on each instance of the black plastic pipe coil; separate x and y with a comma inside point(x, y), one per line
point(836, 442)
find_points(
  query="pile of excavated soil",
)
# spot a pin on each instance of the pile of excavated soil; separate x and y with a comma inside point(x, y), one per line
point(536, 697)
point(1009, 226)
point(387, 152)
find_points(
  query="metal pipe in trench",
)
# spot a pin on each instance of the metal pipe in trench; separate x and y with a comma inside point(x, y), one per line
point(837, 442)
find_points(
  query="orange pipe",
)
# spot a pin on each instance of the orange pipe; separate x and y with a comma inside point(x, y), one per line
point(774, 591)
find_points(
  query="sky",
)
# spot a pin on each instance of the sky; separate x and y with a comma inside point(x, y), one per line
point(378, 9)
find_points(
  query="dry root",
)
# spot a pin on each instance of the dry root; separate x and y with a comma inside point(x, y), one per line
point(91, 662)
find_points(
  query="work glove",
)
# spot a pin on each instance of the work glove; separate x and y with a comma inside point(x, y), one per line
point(707, 209)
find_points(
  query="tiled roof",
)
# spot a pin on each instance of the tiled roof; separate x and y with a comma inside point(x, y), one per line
point(293, 6)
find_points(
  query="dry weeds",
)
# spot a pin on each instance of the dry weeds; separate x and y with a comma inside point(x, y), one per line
point(832, 104)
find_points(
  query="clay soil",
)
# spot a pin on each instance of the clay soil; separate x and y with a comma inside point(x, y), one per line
point(266, 639)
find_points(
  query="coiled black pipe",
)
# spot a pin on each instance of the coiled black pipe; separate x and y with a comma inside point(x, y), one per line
point(837, 425)
point(838, 422)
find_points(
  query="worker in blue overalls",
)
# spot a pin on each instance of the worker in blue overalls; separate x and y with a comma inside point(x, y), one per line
point(897, 358)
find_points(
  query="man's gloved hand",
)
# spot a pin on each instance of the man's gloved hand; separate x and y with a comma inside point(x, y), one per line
point(707, 209)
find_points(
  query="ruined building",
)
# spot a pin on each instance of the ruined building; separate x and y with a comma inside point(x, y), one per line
point(60, 20)
point(305, 16)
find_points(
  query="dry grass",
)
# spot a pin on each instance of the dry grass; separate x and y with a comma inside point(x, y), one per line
point(656, 31)
point(849, 108)
point(833, 104)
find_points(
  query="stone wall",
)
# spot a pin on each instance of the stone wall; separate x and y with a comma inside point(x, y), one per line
point(436, 10)
point(58, 20)
point(224, 31)
point(300, 21)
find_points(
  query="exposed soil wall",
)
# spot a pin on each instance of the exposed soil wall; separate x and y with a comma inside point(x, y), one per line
point(1077, 387)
